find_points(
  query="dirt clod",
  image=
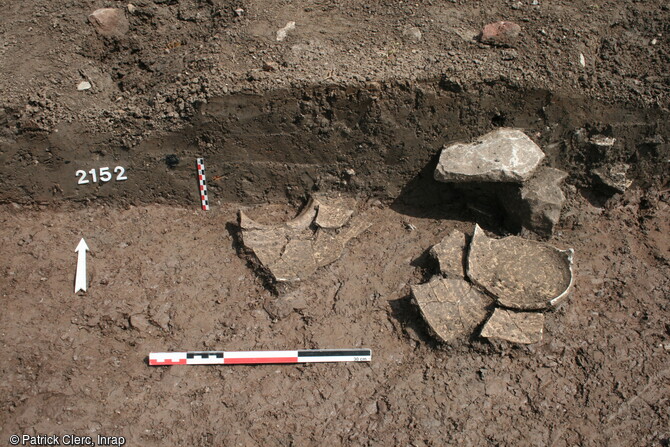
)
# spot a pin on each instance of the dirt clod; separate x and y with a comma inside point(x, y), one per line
point(139, 322)
point(171, 160)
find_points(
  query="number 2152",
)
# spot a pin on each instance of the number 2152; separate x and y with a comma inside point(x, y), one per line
point(102, 173)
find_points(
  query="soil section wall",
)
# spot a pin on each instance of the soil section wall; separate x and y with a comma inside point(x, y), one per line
point(286, 143)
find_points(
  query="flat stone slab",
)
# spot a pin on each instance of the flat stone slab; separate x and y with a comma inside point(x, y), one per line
point(292, 251)
point(504, 155)
point(521, 274)
point(514, 326)
point(453, 308)
point(450, 254)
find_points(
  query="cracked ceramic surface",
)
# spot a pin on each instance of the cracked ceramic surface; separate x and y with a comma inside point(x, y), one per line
point(453, 308)
point(294, 250)
point(514, 326)
point(521, 274)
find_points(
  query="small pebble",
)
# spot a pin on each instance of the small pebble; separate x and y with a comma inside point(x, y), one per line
point(281, 34)
point(500, 33)
point(83, 85)
point(109, 22)
point(269, 66)
point(412, 34)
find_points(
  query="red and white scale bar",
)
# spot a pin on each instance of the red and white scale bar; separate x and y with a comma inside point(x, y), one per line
point(203, 184)
point(259, 357)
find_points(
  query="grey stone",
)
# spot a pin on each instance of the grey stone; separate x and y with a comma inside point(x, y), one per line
point(602, 141)
point(521, 274)
point(614, 176)
point(545, 199)
point(504, 155)
point(109, 22)
point(161, 316)
point(538, 203)
point(450, 254)
point(83, 85)
point(514, 326)
point(453, 308)
point(412, 34)
point(283, 32)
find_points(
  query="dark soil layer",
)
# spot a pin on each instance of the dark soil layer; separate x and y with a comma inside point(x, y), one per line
point(288, 143)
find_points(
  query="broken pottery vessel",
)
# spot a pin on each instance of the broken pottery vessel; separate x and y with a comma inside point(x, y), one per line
point(453, 308)
point(450, 254)
point(514, 326)
point(521, 274)
point(294, 250)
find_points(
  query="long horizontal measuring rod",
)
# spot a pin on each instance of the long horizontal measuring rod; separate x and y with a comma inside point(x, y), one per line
point(259, 357)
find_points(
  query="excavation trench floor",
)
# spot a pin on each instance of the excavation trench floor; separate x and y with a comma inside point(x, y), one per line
point(164, 279)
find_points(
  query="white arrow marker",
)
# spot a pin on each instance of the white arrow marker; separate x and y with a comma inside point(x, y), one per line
point(80, 279)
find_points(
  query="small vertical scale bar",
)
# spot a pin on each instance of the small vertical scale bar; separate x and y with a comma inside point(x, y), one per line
point(203, 184)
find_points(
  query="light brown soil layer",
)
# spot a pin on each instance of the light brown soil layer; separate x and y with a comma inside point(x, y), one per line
point(75, 363)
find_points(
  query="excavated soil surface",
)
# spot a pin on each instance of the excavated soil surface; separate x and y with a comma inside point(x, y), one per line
point(357, 99)
point(165, 278)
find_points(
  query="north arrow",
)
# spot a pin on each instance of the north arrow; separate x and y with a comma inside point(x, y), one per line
point(80, 279)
